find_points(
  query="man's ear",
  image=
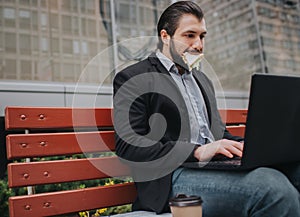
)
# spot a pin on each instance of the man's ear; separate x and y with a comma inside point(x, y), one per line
point(165, 37)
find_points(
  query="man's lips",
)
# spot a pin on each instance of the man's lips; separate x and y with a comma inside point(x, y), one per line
point(193, 52)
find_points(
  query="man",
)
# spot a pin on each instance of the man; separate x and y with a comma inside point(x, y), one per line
point(166, 113)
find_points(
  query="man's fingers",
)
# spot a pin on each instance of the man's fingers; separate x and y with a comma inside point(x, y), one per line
point(226, 153)
point(235, 149)
point(239, 145)
point(225, 147)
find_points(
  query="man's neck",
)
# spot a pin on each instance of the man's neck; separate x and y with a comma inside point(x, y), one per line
point(166, 52)
point(181, 70)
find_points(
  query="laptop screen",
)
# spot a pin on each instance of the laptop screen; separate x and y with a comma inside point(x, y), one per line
point(273, 121)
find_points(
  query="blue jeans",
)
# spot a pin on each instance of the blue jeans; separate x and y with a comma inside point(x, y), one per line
point(258, 193)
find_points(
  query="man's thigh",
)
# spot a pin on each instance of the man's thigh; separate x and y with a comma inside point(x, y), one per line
point(229, 193)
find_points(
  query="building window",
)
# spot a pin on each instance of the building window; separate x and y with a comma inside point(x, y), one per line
point(75, 25)
point(83, 26)
point(34, 3)
point(25, 44)
point(90, 6)
point(44, 19)
point(85, 48)
point(54, 21)
point(35, 44)
point(10, 42)
point(10, 68)
point(67, 46)
point(53, 4)
point(124, 15)
point(9, 17)
point(287, 44)
point(55, 45)
point(43, 3)
point(67, 24)
point(290, 64)
point(26, 70)
point(44, 44)
point(24, 14)
point(93, 48)
point(24, 2)
point(34, 22)
point(76, 48)
point(91, 28)
point(56, 72)
point(1, 44)
point(68, 72)
point(74, 6)
point(24, 19)
point(66, 4)
point(9, 13)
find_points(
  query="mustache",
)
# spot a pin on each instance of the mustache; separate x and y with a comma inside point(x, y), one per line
point(192, 51)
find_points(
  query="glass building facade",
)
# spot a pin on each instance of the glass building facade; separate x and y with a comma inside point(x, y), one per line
point(48, 40)
point(252, 36)
point(54, 40)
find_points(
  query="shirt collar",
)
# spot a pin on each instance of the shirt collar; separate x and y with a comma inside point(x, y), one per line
point(168, 64)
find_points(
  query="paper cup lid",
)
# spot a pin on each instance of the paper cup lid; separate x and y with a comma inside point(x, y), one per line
point(182, 200)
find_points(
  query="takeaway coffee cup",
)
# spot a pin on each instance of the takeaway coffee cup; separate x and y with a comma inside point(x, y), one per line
point(186, 206)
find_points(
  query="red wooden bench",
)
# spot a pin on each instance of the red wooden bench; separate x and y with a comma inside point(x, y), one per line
point(48, 132)
point(235, 120)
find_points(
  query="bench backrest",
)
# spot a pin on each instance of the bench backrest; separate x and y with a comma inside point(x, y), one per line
point(235, 120)
point(39, 133)
point(94, 133)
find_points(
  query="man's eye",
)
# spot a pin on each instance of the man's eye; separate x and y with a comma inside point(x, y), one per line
point(190, 35)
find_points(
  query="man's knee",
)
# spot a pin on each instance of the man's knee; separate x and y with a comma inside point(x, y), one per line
point(274, 188)
point(269, 179)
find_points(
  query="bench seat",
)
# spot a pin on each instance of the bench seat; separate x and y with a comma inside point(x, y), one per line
point(36, 135)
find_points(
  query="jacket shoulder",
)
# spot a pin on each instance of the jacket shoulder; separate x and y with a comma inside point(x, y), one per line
point(141, 66)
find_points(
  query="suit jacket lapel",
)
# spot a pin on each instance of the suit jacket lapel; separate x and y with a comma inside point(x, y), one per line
point(157, 64)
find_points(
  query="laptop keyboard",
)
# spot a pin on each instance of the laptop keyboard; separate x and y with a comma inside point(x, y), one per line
point(216, 163)
point(225, 163)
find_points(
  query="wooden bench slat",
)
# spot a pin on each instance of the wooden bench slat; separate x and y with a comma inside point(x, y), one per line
point(56, 203)
point(237, 130)
point(54, 144)
point(42, 117)
point(234, 116)
point(58, 171)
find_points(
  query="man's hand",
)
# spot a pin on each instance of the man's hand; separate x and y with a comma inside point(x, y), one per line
point(228, 148)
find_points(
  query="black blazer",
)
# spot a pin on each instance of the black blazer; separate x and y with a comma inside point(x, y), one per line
point(154, 146)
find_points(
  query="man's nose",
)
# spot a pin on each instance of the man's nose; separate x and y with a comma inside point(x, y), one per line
point(198, 44)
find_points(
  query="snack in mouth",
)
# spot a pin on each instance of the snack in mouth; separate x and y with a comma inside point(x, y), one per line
point(193, 61)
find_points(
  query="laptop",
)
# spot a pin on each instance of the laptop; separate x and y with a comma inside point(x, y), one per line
point(272, 126)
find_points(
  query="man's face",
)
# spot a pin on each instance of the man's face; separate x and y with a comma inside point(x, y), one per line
point(188, 37)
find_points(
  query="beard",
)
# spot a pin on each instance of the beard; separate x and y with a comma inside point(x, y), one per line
point(177, 58)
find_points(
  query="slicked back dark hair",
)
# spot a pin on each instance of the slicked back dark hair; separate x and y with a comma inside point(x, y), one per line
point(169, 20)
